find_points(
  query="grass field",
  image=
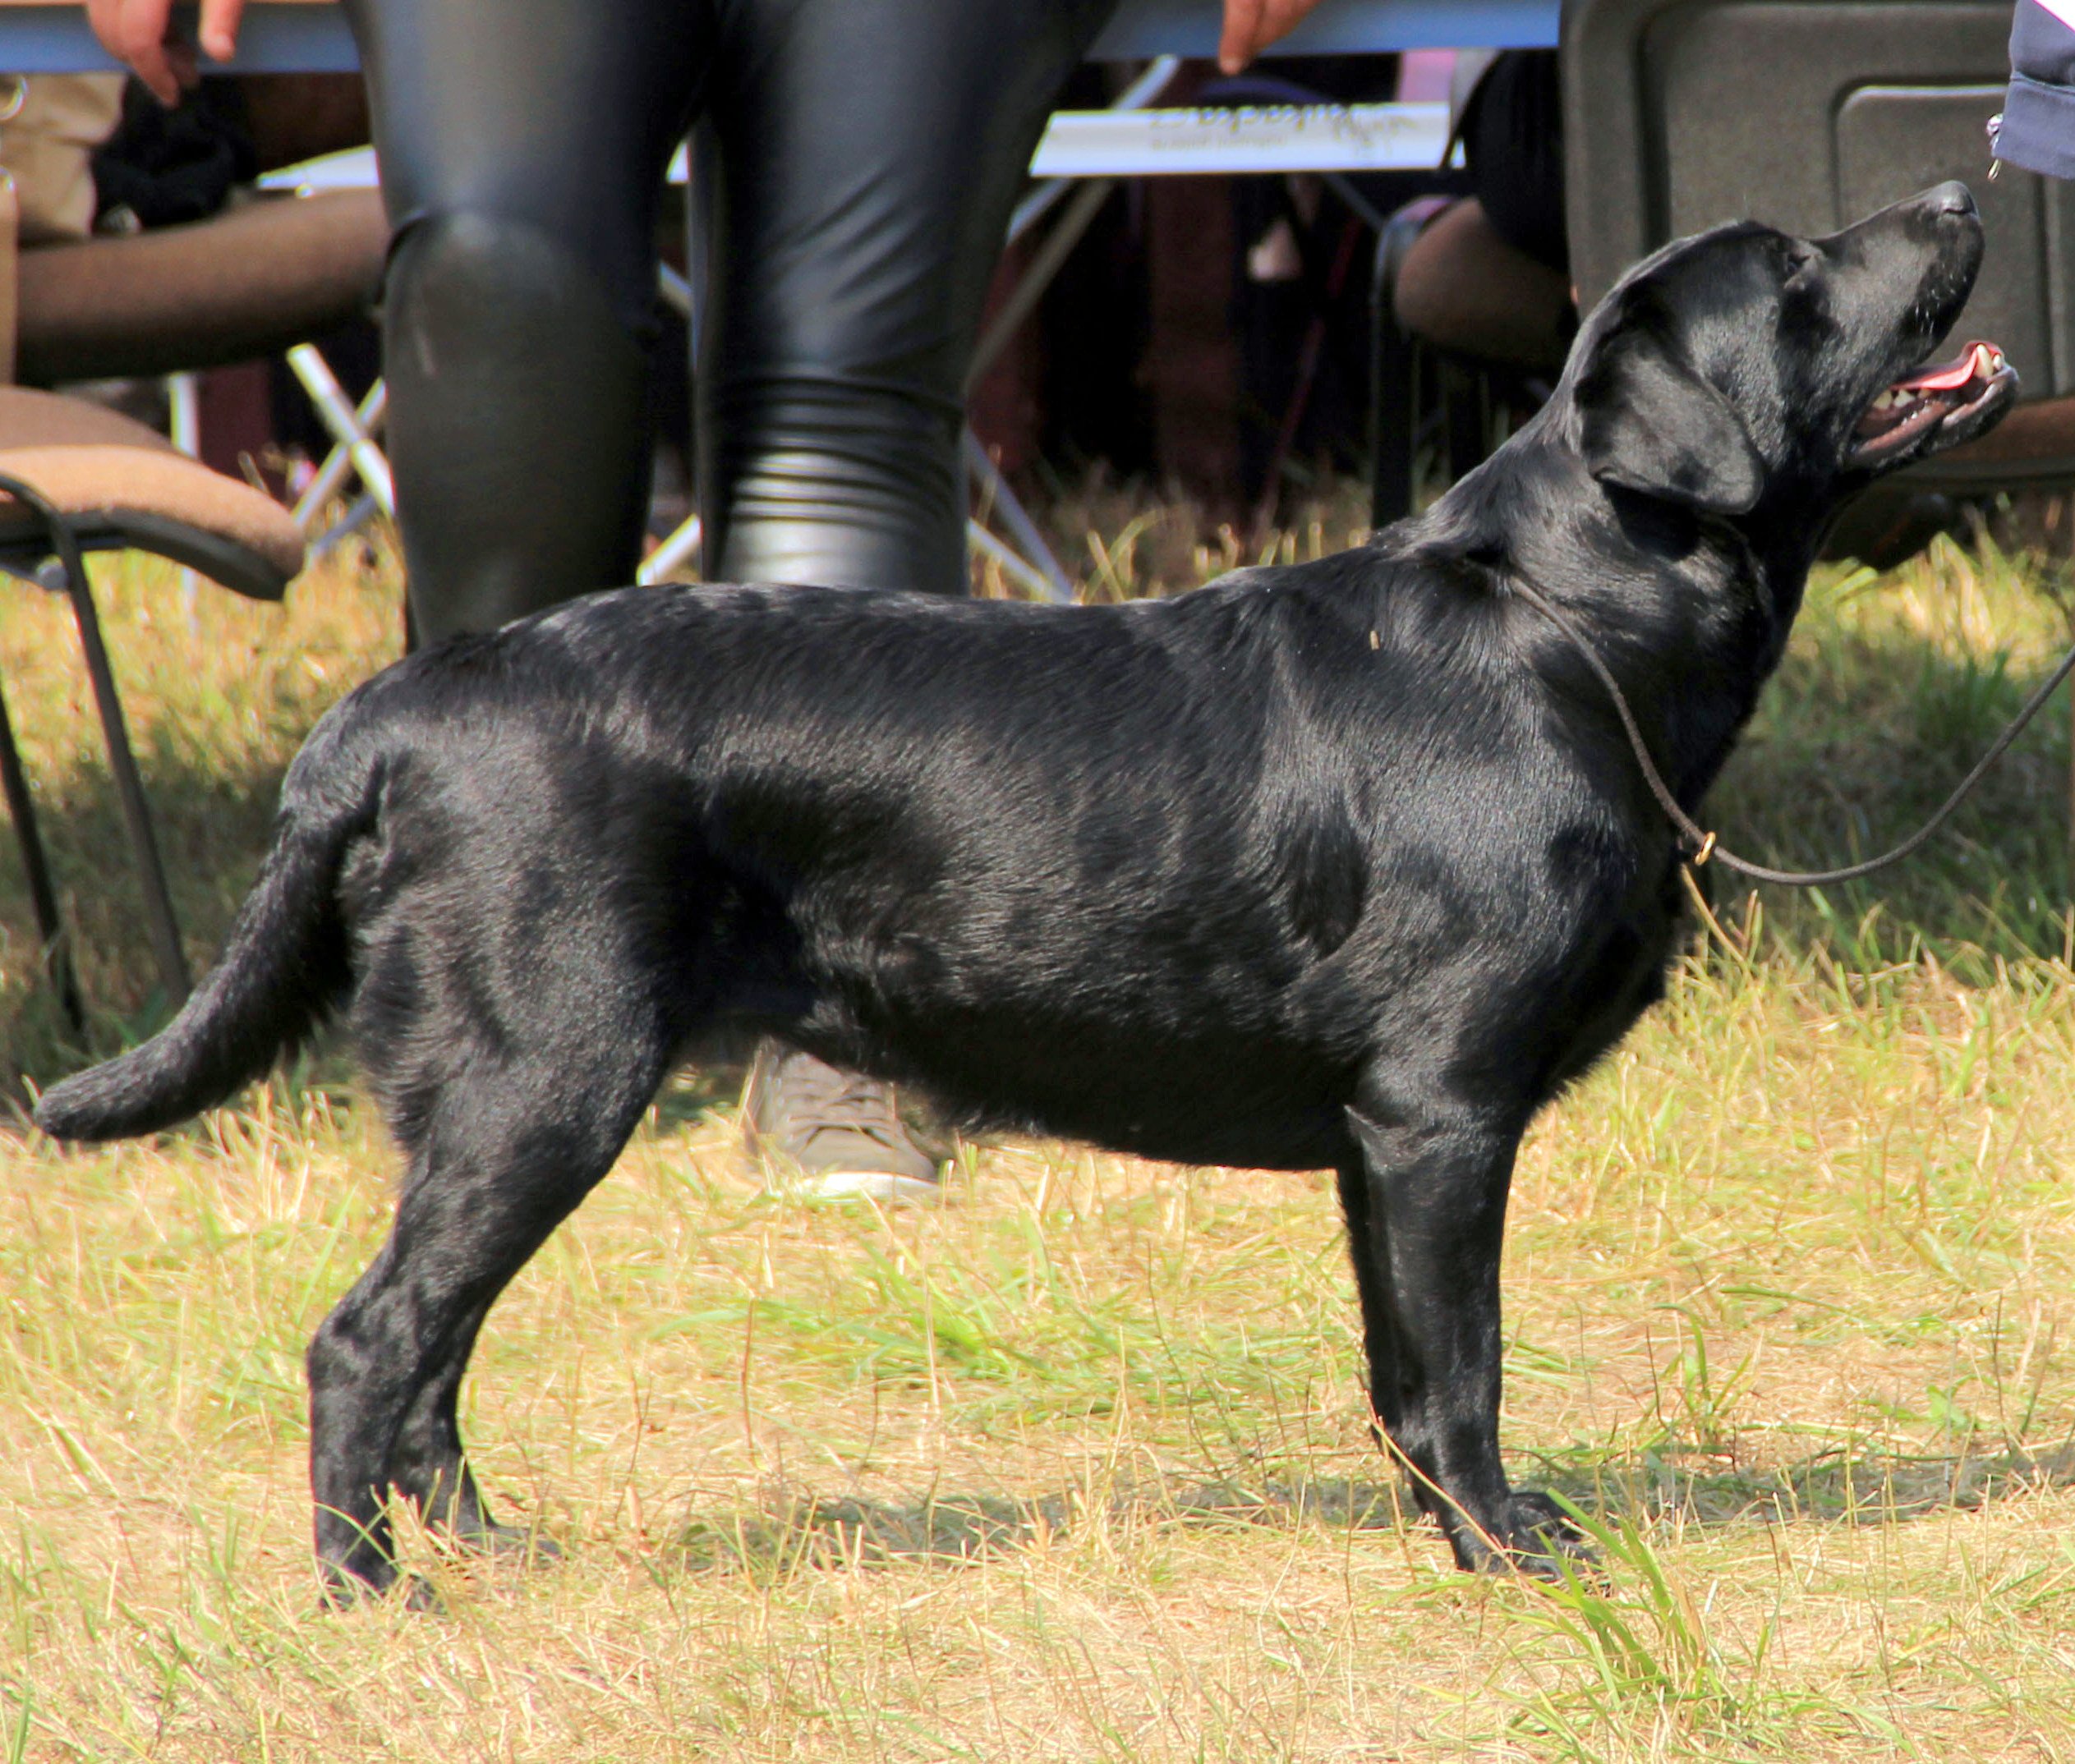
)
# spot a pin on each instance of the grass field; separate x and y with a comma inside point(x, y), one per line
point(1077, 1466)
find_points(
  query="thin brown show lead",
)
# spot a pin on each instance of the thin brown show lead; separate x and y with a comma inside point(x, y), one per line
point(1703, 846)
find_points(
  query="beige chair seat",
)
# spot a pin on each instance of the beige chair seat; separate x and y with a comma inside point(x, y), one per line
point(43, 418)
point(124, 484)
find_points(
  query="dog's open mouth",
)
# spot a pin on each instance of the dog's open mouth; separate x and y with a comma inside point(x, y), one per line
point(1935, 407)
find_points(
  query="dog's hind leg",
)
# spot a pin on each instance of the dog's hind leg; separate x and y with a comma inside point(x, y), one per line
point(505, 1150)
point(428, 1468)
point(1426, 1213)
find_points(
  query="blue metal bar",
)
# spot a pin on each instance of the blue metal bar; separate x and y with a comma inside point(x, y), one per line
point(271, 39)
point(1339, 27)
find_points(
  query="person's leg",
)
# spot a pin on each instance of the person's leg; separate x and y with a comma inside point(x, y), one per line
point(523, 145)
point(870, 151)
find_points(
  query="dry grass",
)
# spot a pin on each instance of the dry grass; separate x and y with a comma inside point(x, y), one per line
point(1077, 1466)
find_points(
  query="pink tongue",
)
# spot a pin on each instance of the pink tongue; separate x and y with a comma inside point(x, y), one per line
point(1949, 378)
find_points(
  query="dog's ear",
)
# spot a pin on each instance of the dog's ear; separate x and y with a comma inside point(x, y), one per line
point(1650, 423)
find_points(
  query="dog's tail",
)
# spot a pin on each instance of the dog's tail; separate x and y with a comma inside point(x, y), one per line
point(284, 965)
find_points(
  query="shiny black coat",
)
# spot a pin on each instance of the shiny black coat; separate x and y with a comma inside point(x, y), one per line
point(1344, 864)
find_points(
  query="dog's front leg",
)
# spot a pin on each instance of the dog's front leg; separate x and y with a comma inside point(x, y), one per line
point(1426, 1212)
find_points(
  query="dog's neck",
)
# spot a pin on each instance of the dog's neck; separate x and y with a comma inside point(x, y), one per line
point(1684, 609)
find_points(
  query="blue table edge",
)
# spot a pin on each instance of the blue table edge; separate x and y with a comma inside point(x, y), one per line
point(304, 39)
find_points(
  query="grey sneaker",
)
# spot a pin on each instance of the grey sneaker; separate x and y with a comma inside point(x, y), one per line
point(828, 1135)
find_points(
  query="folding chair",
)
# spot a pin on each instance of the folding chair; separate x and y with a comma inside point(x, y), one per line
point(259, 280)
point(75, 478)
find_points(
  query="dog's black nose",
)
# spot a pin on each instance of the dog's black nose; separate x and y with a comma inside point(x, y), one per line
point(1951, 197)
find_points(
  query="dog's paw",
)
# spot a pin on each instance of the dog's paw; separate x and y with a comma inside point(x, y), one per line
point(1547, 1541)
point(1542, 1513)
point(1537, 1538)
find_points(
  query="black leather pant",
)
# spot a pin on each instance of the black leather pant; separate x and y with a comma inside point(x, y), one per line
point(869, 152)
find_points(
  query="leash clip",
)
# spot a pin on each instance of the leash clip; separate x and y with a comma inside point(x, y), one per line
point(1706, 851)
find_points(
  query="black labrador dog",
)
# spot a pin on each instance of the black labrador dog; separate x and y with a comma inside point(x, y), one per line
point(1347, 865)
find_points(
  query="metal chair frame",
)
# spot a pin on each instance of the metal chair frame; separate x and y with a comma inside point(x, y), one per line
point(54, 559)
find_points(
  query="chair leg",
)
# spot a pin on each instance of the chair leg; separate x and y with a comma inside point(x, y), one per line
point(136, 814)
point(1394, 371)
point(1395, 365)
point(1394, 421)
point(43, 898)
point(982, 473)
point(330, 476)
point(1466, 407)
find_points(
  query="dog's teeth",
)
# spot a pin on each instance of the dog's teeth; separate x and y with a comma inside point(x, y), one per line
point(1885, 400)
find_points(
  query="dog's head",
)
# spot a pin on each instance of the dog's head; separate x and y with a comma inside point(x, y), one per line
point(1746, 368)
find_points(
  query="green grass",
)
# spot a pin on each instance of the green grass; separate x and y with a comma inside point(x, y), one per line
point(1077, 1467)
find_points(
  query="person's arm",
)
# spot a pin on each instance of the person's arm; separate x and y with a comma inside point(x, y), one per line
point(2036, 128)
point(1251, 25)
point(134, 31)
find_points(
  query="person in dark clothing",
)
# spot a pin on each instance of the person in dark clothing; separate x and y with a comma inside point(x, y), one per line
point(868, 155)
point(1491, 275)
point(522, 145)
point(1512, 125)
point(2037, 127)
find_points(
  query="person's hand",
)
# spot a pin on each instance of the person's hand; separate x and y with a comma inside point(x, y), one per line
point(134, 31)
point(1251, 25)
